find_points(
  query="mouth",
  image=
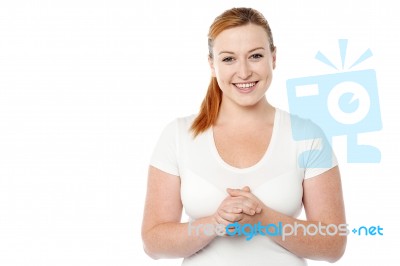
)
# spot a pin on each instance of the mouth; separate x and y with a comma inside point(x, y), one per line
point(246, 87)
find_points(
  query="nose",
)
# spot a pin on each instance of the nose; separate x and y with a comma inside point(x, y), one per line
point(244, 71)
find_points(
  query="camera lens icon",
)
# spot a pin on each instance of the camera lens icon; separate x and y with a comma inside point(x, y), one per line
point(348, 102)
point(345, 103)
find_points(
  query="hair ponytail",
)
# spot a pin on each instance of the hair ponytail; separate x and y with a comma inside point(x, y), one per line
point(209, 108)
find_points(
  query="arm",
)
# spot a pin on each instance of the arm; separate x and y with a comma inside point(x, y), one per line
point(323, 203)
point(162, 233)
point(164, 236)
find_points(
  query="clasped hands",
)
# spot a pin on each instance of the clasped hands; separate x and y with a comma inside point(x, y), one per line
point(240, 206)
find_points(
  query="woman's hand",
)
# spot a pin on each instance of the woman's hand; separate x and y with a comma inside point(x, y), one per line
point(239, 206)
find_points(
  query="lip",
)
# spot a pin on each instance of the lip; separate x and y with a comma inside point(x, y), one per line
point(246, 89)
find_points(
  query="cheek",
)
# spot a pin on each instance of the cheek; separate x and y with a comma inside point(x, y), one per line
point(223, 73)
point(266, 70)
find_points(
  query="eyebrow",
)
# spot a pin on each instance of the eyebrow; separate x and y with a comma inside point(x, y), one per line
point(252, 50)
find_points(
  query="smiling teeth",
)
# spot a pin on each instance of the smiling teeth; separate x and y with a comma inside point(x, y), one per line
point(245, 85)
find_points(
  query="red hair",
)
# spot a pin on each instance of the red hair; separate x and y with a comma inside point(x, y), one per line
point(231, 18)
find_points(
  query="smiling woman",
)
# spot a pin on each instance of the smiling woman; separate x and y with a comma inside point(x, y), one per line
point(236, 162)
point(242, 63)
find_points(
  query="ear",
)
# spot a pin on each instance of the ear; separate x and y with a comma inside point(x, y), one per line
point(211, 63)
point(274, 58)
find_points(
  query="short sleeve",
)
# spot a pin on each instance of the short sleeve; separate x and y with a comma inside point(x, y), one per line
point(318, 156)
point(164, 155)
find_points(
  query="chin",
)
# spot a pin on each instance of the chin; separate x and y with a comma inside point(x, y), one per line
point(249, 103)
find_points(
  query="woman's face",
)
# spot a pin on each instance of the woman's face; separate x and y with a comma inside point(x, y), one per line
point(242, 64)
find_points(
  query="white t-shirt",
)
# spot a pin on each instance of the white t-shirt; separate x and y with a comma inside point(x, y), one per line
point(276, 180)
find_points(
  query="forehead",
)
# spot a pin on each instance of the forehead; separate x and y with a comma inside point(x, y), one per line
point(243, 38)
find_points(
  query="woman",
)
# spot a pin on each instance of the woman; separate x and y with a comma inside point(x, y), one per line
point(236, 163)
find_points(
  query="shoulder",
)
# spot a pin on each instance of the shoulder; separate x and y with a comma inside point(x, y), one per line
point(302, 128)
point(180, 125)
point(185, 122)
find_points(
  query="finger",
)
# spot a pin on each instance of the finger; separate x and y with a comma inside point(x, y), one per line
point(229, 216)
point(222, 221)
point(238, 192)
point(237, 210)
point(246, 194)
point(232, 206)
point(241, 204)
point(233, 209)
point(246, 188)
point(248, 206)
point(244, 209)
point(249, 211)
point(251, 207)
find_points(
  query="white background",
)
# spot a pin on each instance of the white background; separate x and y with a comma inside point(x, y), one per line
point(87, 86)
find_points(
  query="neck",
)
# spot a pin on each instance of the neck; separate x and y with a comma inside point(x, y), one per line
point(234, 114)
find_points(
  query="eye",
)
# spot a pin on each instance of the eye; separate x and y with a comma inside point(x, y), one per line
point(256, 56)
point(228, 59)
